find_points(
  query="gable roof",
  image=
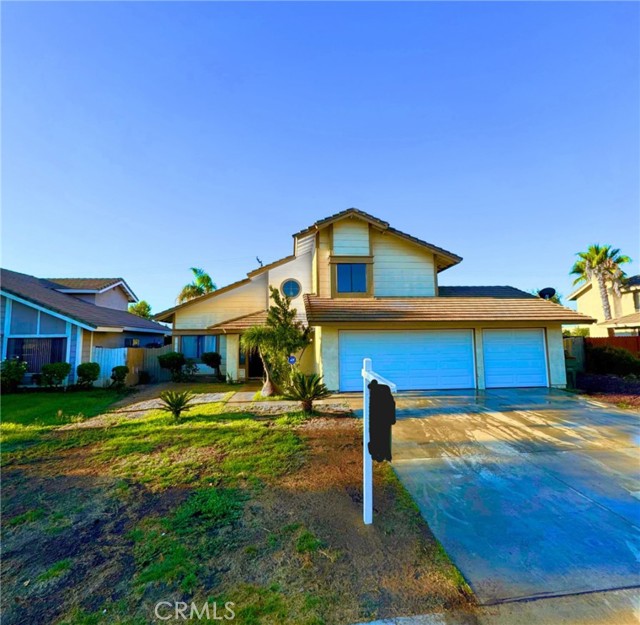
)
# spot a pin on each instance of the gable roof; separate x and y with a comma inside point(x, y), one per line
point(628, 321)
point(630, 283)
point(240, 324)
point(92, 285)
point(524, 307)
point(446, 259)
point(42, 292)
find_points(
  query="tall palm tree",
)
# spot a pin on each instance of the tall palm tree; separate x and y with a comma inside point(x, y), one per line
point(602, 264)
point(201, 285)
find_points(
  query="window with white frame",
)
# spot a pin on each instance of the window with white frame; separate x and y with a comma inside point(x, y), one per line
point(193, 346)
point(36, 337)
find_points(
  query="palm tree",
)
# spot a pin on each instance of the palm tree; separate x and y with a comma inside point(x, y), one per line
point(602, 264)
point(201, 285)
point(263, 340)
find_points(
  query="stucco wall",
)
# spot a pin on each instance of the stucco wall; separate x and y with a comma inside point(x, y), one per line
point(590, 303)
point(113, 298)
point(297, 269)
point(323, 253)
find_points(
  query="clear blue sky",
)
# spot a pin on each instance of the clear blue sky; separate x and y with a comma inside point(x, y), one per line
point(139, 139)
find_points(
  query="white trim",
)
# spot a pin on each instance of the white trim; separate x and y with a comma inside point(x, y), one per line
point(7, 327)
point(78, 351)
point(26, 302)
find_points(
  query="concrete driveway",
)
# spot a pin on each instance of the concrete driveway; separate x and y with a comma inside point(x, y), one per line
point(532, 493)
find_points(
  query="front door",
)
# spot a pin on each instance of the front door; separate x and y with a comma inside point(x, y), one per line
point(254, 365)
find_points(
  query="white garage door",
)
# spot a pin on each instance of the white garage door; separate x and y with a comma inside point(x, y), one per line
point(412, 359)
point(514, 358)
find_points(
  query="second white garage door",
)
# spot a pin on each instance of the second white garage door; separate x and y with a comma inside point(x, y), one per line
point(412, 359)
point(514, 358)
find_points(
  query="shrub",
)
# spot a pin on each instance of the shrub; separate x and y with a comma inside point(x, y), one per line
point(11, 373)
point(213, 360)
point(173, 361)
point(306, 389)
point(176, 402)
point(612, 360)
point(189, 370)
point(118, 375)
point(88, 373)
point(54, 373)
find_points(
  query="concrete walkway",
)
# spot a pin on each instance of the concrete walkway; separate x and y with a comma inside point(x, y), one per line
point(532, 493)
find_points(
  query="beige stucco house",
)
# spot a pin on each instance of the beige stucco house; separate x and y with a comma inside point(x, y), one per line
point(625, 307)
point(370, 290)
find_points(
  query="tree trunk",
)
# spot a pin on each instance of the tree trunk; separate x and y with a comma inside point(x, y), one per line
point(268, 387)
point(606, 307)
point(307, 406)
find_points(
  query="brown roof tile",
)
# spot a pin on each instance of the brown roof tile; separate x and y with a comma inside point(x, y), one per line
point(89, 284)
point(628, 321)
point(240, 324)
point(322, 310)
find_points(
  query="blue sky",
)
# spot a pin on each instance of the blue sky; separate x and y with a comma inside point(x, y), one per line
point(139, 139)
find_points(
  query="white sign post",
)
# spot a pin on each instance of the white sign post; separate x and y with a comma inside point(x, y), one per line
point(367, 462)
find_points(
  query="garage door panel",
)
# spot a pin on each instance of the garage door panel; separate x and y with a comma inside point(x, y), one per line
point(411, 359)
point(514, 358)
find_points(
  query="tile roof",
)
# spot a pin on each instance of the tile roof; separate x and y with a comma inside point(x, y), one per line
point(42, 292)
point(89, 284)
point(240, 324)
point(321, 310)
point(450, 258)
point(628, 321)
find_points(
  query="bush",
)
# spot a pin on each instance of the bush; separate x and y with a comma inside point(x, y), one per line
point(306, 389)
point(118, 375)
point(88, 373)
point(54, 373)
point(176, 402)
point(213, 360)
point(612, 361)
point(11, 373)
point(189, 370)
point(173, 361)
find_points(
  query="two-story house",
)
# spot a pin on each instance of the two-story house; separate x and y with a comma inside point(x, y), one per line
point(65, 319)
point(369, 290)
point(625, 307)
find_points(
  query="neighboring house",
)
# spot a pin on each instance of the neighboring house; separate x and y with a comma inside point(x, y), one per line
point(625, 308)
point(63, 319)
point(369, 290)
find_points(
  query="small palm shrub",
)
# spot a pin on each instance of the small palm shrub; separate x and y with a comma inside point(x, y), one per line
point(118, 376)
point(173, 362)
point(176, 402)
point(11, 373)
point(88, 373)
point(306, 389)
point(54, 373)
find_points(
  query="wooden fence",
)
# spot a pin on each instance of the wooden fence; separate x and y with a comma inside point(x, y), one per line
point(630, 343)
point(136, 358)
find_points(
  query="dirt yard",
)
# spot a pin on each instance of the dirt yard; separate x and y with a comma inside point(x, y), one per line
point(101, 524)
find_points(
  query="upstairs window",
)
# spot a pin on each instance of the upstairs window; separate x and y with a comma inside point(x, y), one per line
point(351, 278)
point(636, 301)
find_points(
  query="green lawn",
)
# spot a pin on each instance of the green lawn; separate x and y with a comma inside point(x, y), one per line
point(26, 416)
point(101, 523)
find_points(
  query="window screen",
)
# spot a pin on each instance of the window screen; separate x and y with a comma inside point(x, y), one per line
point(51, 325)
point(37, 352)
point(24, 319)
